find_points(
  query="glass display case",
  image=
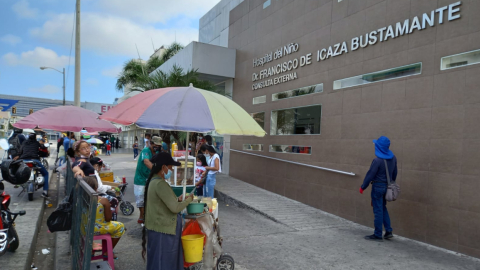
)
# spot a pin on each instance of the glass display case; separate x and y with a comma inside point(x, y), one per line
point(179, 172)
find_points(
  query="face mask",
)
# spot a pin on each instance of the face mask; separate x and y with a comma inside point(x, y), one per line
point(207, 155)
point(156, 149)
point(199, 163)
point(168, 174)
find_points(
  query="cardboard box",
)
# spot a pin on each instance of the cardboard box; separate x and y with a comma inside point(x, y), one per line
point(106, 176)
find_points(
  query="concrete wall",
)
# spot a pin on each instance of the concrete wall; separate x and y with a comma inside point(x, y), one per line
point(432, 119)
point(205, 58)
point(214, 25)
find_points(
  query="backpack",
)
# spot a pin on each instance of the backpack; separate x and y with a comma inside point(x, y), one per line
point(393, 190)
point(14, 146)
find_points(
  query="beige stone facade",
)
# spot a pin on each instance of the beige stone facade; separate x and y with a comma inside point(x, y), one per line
point(432, 119)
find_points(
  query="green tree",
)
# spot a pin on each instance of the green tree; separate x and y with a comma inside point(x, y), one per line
point(176, 77)
point(135, 69)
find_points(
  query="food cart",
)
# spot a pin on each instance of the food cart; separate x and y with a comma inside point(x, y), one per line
point(190, 109)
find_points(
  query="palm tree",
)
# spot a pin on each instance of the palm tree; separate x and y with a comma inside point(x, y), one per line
point(175, 78)
point(134, 69)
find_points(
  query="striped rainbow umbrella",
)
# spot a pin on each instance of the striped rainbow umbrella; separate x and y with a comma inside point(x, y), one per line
point(94, 141)
point(184, 109)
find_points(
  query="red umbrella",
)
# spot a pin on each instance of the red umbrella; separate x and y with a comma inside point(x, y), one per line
point(66, 118)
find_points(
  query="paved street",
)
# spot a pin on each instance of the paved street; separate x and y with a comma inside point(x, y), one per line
point(26, 225)
point(301, 237)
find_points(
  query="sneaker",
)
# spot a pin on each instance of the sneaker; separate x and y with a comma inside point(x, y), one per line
point(45, 194)
point(388, 235)
point(373, 238)
point(140, 221)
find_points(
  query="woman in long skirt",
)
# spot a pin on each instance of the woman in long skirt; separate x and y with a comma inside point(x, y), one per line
point(161, 240)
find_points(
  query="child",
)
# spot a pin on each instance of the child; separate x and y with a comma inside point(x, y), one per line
point(109, 148)
point(199, 179)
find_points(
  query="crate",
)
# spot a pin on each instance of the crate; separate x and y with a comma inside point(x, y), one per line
point(106, 176)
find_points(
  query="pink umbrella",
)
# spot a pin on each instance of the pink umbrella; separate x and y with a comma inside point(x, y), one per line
point(66, 118)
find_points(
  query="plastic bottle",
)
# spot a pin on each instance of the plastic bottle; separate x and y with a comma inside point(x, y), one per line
point(174, 148)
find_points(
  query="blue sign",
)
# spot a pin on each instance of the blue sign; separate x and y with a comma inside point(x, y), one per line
point(6, 104)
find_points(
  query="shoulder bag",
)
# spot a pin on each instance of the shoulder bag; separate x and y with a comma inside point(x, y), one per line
point(393, 190)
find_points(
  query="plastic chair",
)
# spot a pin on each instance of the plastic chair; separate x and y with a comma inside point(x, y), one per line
point(106, 248)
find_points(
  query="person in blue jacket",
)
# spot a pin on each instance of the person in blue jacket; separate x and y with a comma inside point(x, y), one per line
point(377, 175)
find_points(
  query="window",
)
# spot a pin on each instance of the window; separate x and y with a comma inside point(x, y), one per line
point(260, 118)
point(384, 75)
point(291, 149)
point(266, 4)
point(259, 100)
point(460, 60)
point(318, 88)
point(296, 121)
point(253, 147)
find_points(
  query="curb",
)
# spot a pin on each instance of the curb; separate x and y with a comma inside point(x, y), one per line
point(61, 237)
point(37, 229)
point(221, 196)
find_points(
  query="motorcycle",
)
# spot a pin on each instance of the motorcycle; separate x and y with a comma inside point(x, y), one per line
point(9, 240)
point(35, 181)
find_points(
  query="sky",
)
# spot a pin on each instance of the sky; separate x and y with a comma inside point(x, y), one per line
point(36, 33)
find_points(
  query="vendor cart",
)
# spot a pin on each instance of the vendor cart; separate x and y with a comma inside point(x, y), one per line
point(213, 256)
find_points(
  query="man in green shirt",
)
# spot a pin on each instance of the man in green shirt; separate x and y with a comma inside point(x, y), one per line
point(142, 172)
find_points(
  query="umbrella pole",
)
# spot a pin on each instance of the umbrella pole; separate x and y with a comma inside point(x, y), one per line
point(186, 166)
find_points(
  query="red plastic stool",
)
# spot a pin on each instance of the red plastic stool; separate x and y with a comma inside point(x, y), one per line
point(106, 248)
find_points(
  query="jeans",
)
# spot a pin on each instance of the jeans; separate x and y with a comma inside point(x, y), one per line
point(109, 152)
point(135, 153)
point(209, 187)
point(61, 160)
point(380, 209)
point(43, 171)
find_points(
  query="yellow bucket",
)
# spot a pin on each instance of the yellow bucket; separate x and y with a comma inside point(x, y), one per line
point(193, 247)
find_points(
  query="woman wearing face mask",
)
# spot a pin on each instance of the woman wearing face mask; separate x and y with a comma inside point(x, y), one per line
point(82, 165)
point(163, 222)
point(213, 168)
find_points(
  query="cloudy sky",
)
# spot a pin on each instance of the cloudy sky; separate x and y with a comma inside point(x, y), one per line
point(37, 33)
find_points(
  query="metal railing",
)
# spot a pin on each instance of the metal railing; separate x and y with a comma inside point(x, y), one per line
point(296, 163)
point(85, 201)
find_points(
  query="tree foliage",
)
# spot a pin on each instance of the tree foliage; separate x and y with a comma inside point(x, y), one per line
point(135, 69)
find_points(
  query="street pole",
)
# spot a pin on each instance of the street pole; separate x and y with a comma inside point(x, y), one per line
point(76, 100)
point(63, 86)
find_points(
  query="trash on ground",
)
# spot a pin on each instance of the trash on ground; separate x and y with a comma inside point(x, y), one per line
point(45, 251)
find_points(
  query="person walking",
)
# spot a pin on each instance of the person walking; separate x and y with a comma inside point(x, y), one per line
point(214, 167)
point(112, 143)
point(161, 235)
point(135, 148)
point(117, 143)
point(377, 175)
point(142, 172)
point(146, 143)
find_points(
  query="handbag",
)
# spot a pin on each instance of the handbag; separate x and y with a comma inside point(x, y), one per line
point(61, 219)
point(393, 190)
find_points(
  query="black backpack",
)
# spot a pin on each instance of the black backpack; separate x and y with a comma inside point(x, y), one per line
point(14, 146)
